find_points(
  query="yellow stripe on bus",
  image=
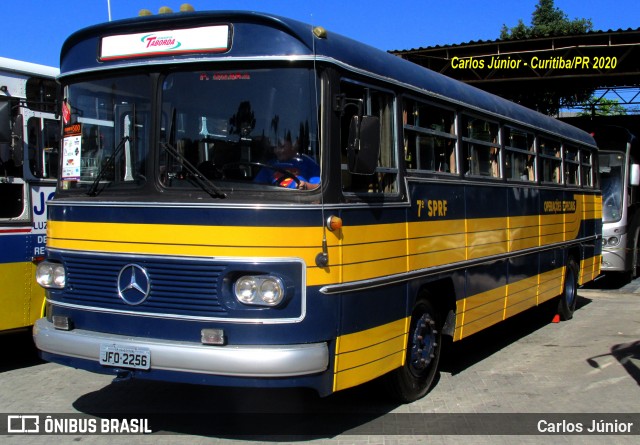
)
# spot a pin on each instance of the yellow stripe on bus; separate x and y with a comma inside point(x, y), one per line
point(365, 355)
point(203, 241)
point(435, 243)
point(589, 269)
point(355, 252)
point(521, 296)
point(480, 311)
point(486, 236)
point(477, 312)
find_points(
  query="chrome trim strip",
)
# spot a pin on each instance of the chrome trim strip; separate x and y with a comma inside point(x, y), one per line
point(219, 205)
point(355, 286)
point(236, 361)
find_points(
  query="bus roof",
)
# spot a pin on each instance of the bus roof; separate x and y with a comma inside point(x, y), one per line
point(28, 68)
point(289, 39)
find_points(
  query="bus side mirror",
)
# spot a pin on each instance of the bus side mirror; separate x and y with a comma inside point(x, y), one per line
point(634, 175)
point(364, 145)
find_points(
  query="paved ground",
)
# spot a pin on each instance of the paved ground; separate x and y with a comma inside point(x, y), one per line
point(575, 371)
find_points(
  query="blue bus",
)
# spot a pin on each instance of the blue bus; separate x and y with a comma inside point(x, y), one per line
point(247, 200)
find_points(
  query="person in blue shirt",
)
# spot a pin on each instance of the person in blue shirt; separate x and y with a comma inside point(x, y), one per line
point(289, 164)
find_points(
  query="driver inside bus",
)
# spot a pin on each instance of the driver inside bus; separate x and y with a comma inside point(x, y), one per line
point(290, 165)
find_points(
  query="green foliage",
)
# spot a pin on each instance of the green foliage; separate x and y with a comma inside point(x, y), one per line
point(547, 21)
point(602, 107)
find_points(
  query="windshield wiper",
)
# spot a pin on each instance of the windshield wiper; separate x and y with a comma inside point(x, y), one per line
point(93, 190)
point(197, 176)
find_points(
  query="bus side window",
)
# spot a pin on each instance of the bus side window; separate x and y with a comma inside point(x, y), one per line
point(550, 160)
point(482, 147)
point(429, 137)
point(51, 148)
point(571, 165)
point(381, 105)
point(43, 144)
point(34, 144)
point(11, 200)
point(520, 154)
point(586, 168)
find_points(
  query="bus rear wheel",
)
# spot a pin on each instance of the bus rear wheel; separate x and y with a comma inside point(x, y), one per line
point(413, 380)
point(569, 297)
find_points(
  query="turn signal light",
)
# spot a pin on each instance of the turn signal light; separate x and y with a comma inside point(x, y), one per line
point(62, 323)
point(212, 337)
point(334, 223)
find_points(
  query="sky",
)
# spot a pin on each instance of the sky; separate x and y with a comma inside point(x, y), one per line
point(34, 30)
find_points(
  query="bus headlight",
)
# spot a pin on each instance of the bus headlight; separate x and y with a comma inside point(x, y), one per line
point(51, 275)
point(611, 241)
point(260, 290)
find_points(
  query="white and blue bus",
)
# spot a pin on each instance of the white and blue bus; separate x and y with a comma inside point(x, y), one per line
point(29, 147)
point(183, 245)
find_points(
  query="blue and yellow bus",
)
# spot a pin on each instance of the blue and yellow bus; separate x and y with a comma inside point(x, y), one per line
point(29, 142)
point(183, 245)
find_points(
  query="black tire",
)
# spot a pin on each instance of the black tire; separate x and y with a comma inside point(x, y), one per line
point(569, 297)
point(413, 380)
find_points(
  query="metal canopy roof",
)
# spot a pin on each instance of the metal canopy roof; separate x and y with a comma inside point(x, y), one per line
point(621, 47)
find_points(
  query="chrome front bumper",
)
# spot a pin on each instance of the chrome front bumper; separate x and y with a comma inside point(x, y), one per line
point(614, 260)
point(237, 361)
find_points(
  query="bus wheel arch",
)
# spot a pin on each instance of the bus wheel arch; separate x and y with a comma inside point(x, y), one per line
point(569, 296)
point(442, 295)
point(429, 316)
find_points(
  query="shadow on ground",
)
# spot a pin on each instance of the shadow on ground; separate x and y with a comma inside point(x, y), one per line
point(238, 413)
point(627, 354)
point(287, 414)
point(18, 351)
point(471, 350)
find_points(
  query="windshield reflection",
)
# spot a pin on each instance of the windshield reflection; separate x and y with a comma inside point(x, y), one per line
point(219, 132)
point(611, 177)
point(230, 125)
point(106, 140)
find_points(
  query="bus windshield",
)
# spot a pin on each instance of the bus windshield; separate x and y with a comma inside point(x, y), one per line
point(251, 130)
point(612, 177)
point(111, 133)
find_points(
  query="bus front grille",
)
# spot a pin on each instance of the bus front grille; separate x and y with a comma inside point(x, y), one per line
point(180, 286)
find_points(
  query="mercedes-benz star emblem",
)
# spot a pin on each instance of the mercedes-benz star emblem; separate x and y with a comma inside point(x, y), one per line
point(133, 284)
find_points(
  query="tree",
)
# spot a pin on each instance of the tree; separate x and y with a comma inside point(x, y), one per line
point(244, 121)
point(602, 107)
point(547, 21)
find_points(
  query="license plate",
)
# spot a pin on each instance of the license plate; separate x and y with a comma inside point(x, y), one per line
point(124, 357)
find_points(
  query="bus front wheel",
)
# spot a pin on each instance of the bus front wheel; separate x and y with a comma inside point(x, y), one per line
point(567, 303)
point(413, 380)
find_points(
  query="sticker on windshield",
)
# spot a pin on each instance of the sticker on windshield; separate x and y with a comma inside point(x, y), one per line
point(71, 152)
